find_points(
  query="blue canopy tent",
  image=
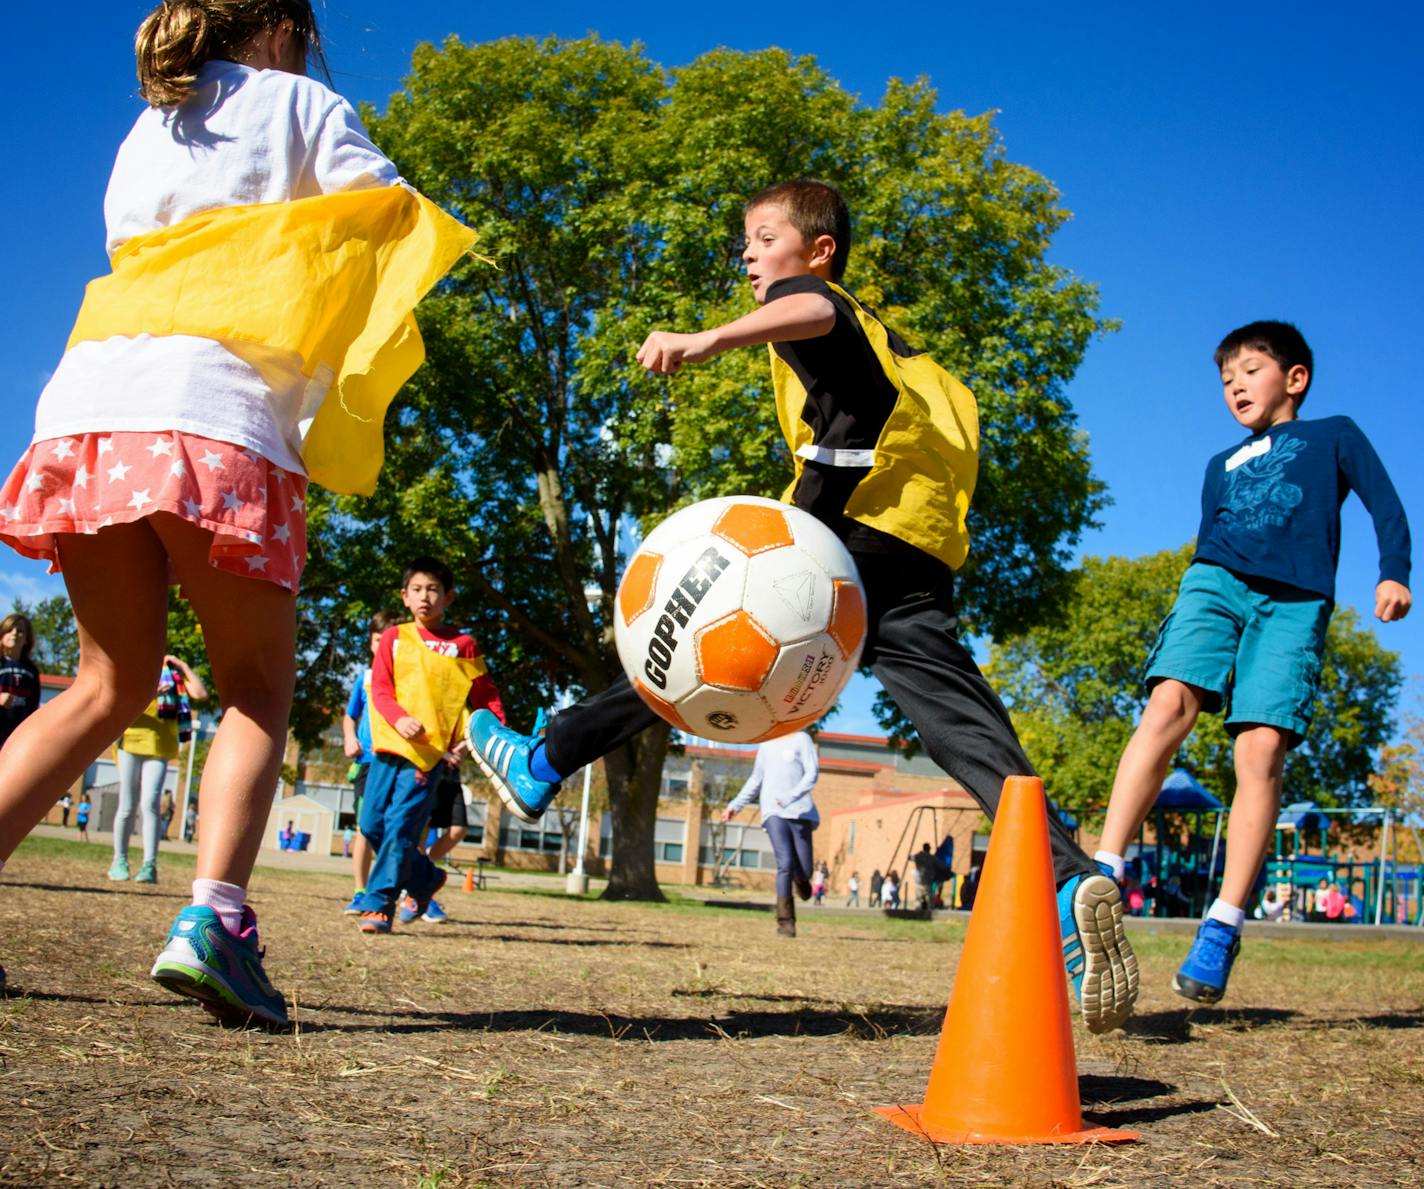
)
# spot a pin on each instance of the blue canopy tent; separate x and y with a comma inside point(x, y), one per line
point(1182, 793)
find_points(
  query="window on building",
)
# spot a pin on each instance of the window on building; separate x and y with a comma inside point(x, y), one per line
point(850, 839)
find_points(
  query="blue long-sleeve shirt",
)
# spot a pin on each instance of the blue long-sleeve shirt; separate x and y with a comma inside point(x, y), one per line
point(1271, 505)
point(783, 776)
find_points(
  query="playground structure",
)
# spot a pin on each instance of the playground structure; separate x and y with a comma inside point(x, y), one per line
point(1381, 890)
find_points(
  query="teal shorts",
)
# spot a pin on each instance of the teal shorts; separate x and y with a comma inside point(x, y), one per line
point(1253, 645)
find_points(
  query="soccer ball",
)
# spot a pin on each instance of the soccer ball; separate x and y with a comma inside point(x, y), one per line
point(740, 619)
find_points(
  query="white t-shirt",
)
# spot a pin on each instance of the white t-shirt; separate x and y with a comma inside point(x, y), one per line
point(247, 136)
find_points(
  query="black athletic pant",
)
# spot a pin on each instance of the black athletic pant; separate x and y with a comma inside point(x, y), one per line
point(913, 648)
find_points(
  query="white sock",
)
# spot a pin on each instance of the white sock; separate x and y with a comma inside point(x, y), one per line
point(1116, 862)
point(225, 899)
point(1227, 914)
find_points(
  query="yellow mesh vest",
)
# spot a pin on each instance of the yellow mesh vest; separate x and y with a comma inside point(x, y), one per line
point(927, 455)
point(432, 688)
point(332, 278)
point(150, 735)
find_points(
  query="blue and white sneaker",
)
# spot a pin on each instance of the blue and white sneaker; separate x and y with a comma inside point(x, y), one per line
point(503, 756)
point(223, 972)
point(434, 914)
point(1203, 975)
point(409, 910)
point(353, 906)
point(1100, 962)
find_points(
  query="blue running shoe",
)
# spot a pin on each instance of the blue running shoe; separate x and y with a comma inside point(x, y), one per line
point(503, 756)
point(409, 910)
point(1100, 962)
point(1203, 975)
point(434, 914)
point(421, 904)
point(223, 972)
point(353, 906)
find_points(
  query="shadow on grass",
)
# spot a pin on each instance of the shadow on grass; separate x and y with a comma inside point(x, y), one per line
point(11, 991)
point(873, 1024)
point(1175, 1027)
point(114, 889)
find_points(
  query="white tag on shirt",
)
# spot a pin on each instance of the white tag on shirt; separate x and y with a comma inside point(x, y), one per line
point(1248, 452)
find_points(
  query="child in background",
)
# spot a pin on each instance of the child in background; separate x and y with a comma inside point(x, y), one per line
point(425, 678)
point(356, 736)
point(853, 890)
point(81, 816)
point(1247, 631)
point(19, 679)
point(175, 439)
point(890, 890)
point(143, 753)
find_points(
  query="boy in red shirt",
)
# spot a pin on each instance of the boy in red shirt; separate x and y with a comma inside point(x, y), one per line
point(425, 679)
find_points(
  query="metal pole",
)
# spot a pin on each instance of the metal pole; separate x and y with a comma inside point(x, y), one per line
point(1384, 854)
point(577, 882)
point(188, 783)
point(1211, 871)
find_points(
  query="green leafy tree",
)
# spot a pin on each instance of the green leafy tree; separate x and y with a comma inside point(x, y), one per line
point(56, 639)
point(608, 192)
point(1074, 688)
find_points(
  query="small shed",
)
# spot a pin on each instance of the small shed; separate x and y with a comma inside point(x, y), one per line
point(306, 815)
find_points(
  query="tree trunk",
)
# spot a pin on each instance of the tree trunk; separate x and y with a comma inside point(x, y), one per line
point(635, 773)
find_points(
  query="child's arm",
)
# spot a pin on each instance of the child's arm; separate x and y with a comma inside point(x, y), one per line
point(1371, 482)
point(784, 320)
point(197, 691)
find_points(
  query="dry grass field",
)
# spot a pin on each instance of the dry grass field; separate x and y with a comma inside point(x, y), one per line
point(541, 1040)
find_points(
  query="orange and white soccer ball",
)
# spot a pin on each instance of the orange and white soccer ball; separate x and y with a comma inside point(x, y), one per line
point(740, 619)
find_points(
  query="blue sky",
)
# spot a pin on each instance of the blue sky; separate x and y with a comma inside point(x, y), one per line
point(1223, 163)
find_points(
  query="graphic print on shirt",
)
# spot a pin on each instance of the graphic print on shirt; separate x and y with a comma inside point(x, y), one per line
point(1257, 495)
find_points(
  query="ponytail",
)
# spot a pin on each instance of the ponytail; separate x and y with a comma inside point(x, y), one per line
point(179, 36)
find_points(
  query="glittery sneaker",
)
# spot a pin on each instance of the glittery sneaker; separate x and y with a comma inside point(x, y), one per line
point(222, 971)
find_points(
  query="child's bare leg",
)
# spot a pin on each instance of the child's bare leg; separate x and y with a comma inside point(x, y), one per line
point(1171, 712)
point(117, 582)
point(360, 858)
point(447, 842)
point(249, 628)
point(1260, 759)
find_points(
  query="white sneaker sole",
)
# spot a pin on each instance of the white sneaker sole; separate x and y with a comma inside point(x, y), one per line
point(1109, 965)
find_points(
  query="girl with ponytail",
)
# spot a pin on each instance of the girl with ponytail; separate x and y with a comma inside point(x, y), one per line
point(255, 326)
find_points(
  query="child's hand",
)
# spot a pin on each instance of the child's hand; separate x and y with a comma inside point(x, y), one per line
point(458, 752)
point(1392, 601)
point(408, 727)
point(352, 748)
point(727, 815)
point(664, 352)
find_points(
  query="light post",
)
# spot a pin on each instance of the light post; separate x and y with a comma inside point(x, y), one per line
point(577, 883)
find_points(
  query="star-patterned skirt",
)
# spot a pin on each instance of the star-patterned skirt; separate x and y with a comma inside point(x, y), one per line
point(80, 484)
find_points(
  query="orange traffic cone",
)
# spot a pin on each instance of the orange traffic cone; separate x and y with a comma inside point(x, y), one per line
point(1005, 1071)
point(469, 879)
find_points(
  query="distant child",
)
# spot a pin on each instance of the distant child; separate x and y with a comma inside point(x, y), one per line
point(877, 884)
point(885, 452)
point(356, 737)
point(143, 754)
point(782, 782)
point(425, 677)
point(1247, 631)
point(19, 679)
point(853, 890)
point(253, 329)
point(81, 816)
point(890, 890)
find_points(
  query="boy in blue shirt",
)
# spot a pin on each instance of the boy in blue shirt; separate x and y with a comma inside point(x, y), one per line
point(897, 495)
point(356, 737)
point(1246, 633)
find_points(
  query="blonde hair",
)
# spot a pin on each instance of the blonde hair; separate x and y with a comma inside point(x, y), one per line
point(179, 36)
